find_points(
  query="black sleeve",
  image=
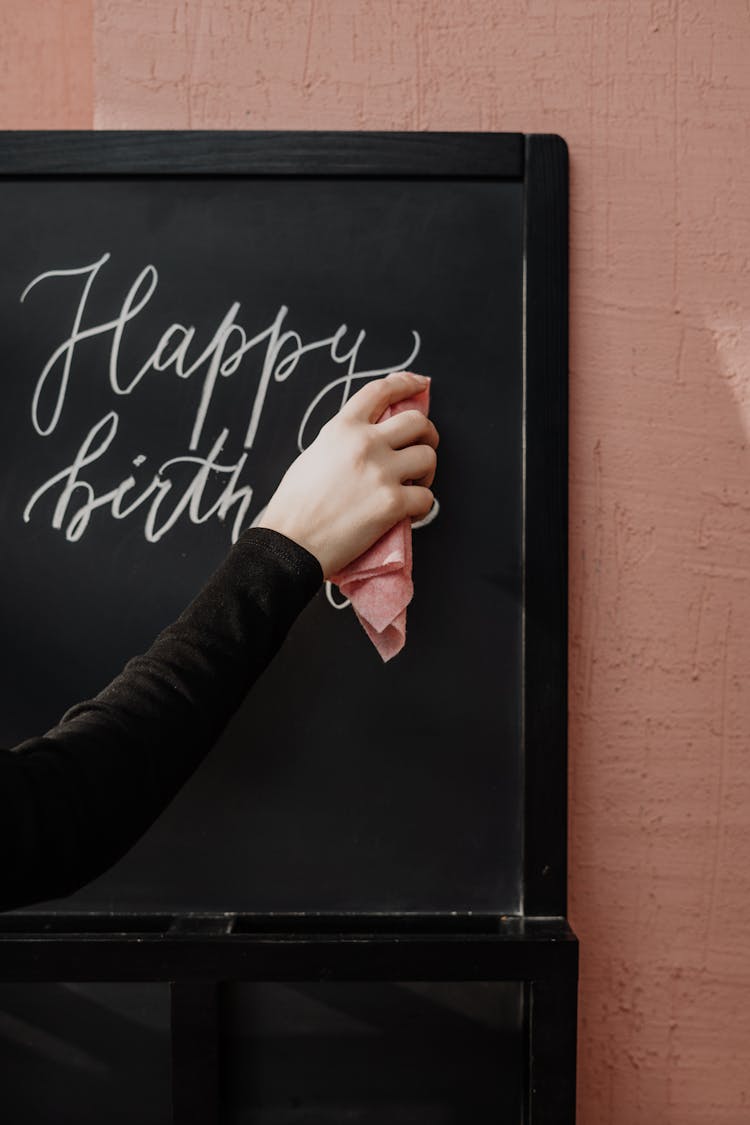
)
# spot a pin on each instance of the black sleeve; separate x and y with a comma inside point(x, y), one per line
point(74, 800)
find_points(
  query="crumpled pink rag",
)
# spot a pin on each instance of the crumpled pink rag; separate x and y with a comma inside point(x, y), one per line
point(379, 583)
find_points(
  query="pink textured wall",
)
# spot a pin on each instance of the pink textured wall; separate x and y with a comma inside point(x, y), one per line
point(653, 97)
point(46, 64)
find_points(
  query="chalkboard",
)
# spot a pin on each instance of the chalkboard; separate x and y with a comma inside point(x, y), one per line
point(342, 784)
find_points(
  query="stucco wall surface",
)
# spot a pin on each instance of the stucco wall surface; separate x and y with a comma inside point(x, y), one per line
point(653, 97)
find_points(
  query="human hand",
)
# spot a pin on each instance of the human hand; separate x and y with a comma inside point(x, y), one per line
point(358, 478)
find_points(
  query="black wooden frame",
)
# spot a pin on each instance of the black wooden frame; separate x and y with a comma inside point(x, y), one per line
point(197, 952)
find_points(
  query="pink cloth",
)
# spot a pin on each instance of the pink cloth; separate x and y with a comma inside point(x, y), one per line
point(379, 583)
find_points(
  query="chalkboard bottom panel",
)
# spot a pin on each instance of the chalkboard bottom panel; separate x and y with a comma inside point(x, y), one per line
point(288, 1054)
point(374, 1054)
point(83, 1054)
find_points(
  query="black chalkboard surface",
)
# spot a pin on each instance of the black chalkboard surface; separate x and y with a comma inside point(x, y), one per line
point(129, 293)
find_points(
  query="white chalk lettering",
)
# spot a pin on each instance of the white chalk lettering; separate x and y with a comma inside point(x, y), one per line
point(192, 486)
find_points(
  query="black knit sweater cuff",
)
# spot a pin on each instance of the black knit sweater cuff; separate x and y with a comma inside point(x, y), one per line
point(300, 564)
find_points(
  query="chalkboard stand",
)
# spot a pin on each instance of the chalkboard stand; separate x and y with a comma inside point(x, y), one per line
point(197, 952)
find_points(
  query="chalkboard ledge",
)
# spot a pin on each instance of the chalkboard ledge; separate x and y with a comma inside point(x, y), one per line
point(285, 947)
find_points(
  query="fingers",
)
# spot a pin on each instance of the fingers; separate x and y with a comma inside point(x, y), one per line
point(371, 400)
point(417, 464)
point(418, 501)
point(409, 428)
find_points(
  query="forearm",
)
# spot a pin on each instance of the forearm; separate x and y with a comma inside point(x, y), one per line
point(74, 800)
